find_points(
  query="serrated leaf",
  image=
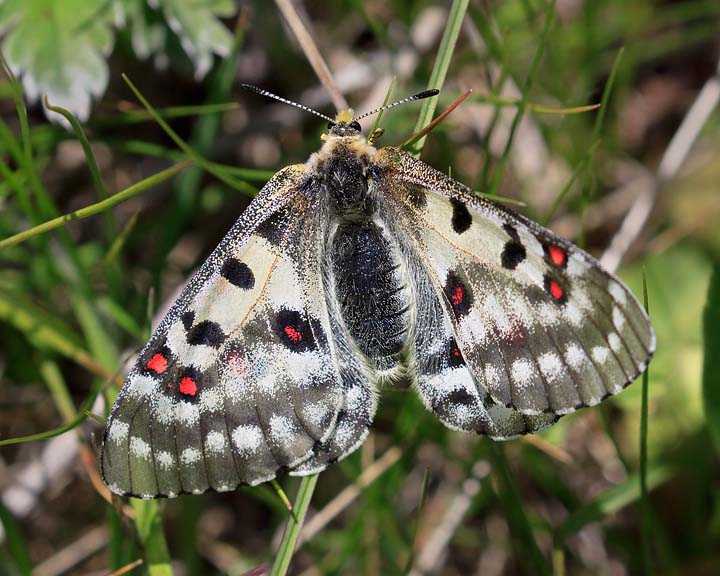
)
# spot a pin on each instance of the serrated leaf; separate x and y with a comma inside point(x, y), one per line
point(195, 23)
point(58, 49)
point(200, 32)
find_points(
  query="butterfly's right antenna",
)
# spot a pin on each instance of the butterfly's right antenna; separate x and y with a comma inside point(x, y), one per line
point(276, 97)
point(419, 96)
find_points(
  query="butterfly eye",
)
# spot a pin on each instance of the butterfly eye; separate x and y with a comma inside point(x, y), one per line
point(355, 125)
point(330, 125)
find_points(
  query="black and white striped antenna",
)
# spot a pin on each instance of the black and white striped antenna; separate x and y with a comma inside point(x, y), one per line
point(269, 94)
point(419, 96)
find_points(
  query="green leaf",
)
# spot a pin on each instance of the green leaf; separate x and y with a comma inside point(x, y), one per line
point(196, 26)
point(711, 365)
point(58, 48)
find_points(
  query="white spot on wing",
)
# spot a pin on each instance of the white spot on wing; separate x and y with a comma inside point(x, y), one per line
point(139, 448)
point(118, 431)
point(551, 366)
point(247, 439)
point(165, 459)
point(190, 456)
point(572, 313)
point(575, 355)
point(187, 413)
point(618, 318)
point(581, 297)
point(600, 354)
point(164, 409)
point(492, 375)
point(201, 356)
point(615, 342)
point(522, 371)
point(141, 385)
point(315, 412)
point(215, 442)
point(211, 401)
point(176, 339)
point(281, 428)
point(473, 327)
point(306, 365)
point(618, 293)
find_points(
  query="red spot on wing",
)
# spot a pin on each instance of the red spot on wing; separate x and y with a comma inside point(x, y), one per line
point(188, 386)
point(158, 363)
point(456, 353)
point(293, 333)
point(555, 290)
point(457, 296)
point(557, 255)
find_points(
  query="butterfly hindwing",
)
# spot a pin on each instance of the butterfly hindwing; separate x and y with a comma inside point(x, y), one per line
point(541, 326)
point(439, 372)
point(242, 378)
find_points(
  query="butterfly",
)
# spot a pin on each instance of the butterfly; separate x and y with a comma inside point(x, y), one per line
point(362, 266)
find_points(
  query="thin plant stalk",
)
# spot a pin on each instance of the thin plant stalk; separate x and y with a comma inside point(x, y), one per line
point(294, 525)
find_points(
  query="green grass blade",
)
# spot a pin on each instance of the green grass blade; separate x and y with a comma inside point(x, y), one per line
point(511, 500)
point(199, 159)
point(646, 511)
point(96, 208)
point(84, 142)
point(55, 382)
point(148, 522)
point(612, 500)
point(15, 542)
point(137, 116)
point(588, 182)
point(98, 181)
point(499, 174)
point(46, 332)
point(439, 71)
point(711, 362)
point(73, 422)
point(293, 526)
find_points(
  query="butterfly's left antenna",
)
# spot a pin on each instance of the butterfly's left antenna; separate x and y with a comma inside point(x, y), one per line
point(276, 97)
point(419, 96)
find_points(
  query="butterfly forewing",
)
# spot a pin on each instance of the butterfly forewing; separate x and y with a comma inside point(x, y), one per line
point(542, 327)
point(242, 378)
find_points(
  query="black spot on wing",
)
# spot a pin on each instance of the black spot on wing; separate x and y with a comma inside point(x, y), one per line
point(460, 397)
point(187, 384)
point(555, 289)
point(453, 356)
point(512, 232)
point(461, 218)
point(294, 330)
point(206, 332)
point(156, 360)
point(275, 227)
point(188, 318)
point(458, 294)
point(513, 254)
point(238, 273)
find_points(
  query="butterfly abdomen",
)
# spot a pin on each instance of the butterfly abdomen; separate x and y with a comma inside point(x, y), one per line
point(371, 289)
point(370, 284)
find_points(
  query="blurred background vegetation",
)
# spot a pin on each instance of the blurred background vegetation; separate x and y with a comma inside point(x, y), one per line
point(637, 180)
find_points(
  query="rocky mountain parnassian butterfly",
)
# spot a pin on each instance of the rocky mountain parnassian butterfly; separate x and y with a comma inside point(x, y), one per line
point(348, 271)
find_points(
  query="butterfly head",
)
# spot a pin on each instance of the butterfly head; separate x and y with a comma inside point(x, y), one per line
point(344, 125)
